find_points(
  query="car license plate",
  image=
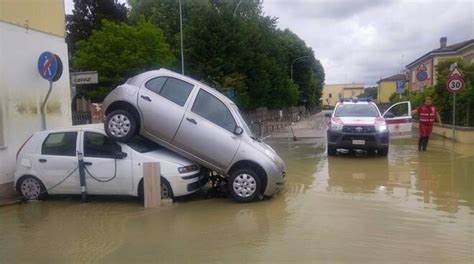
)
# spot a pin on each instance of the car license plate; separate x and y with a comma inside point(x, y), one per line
point(358, 142)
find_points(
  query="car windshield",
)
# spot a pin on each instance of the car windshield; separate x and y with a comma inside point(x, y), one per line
point(356, 110)
point(143, 145)
point(242, 120)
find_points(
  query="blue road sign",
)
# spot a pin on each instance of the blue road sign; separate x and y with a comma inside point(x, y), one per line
point(400, 86)
point(47, 65)
point(421, 76)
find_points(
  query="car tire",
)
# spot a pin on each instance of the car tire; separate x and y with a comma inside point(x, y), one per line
point(31, 188)
point(120, 125)
point(332, 151)
point(383, 151)
point(244, 185)
point(166, 191)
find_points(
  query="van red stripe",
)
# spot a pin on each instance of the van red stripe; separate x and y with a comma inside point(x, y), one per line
point(397, 121)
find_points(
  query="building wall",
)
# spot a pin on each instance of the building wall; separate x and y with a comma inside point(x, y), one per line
point(414, 84)
point(41, 15)
point(332, 92)
point(385, 90)
point(22, 89)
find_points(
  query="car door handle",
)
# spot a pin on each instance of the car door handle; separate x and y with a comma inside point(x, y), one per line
point(43, 160)
point(146, 98)
point(191, 120)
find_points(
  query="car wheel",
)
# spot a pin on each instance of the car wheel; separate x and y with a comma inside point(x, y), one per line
point(31, 188)
point(166, 191)
point(332, 151)
point(244, 185)
point(120, 125)
point(383, 151)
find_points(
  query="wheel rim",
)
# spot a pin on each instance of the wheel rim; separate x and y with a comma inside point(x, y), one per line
point(244, 185)
point(119, 125)
point(30, 188)
point(165, 192)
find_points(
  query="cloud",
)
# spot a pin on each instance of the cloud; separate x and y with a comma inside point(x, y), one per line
point(363, 41)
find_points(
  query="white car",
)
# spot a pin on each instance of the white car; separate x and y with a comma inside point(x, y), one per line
point(47, 163)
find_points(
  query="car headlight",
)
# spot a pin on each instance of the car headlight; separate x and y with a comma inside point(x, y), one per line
point(336, 126)
point(382, 128)
point(189, 168)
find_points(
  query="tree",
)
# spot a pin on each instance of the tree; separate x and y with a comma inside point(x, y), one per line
point(119, 51)
point(87, 16)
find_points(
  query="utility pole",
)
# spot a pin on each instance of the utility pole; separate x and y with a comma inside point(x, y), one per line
point(181, 33)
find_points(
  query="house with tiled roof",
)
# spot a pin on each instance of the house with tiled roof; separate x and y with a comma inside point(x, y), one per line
point(387, 86)
point(421, 72)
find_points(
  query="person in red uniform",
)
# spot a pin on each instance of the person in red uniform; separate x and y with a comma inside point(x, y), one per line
point(428, 114)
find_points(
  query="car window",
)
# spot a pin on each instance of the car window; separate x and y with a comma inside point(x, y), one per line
point(60, 144)
point(156, 84)
point(356, 110)
point(211, 108)
point(398, 111)
point(176, 91)
point(100, 146)
point(143, 145)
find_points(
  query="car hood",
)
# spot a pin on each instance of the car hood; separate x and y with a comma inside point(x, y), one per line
point(358, 120)
point(165, 155)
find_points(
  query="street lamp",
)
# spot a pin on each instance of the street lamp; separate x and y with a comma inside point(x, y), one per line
point(291, 67)
point(181, 32)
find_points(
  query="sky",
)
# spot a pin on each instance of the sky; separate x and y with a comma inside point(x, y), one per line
point(366, 40)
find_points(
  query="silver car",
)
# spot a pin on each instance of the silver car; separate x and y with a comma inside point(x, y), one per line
point(199, 123)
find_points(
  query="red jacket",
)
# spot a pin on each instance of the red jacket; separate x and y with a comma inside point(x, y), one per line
point(427, 115)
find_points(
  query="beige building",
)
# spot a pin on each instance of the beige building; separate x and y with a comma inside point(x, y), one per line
point(332, 92)
point(387, 86)
point(422, 71)
point(28, 28)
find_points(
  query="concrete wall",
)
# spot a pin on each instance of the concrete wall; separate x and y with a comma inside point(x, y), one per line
point(41, 15)
point(22, 90)
point(385, 90)
point(463, 134)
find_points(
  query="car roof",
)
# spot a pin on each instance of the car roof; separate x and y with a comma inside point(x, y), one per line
point(138, 79)
point(89, 127)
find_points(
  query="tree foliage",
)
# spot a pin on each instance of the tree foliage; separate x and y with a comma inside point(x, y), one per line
point(119, 51)
point(87, 16)
point(231, 45)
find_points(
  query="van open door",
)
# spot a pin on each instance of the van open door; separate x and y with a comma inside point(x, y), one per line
point(398, 119)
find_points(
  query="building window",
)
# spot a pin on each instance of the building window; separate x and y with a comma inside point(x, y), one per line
point(2, 128)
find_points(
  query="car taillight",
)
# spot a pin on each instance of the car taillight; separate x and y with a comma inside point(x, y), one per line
point(18, 152)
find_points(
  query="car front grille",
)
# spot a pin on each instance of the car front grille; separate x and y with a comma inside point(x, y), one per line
point(358, 137)
point(359, 129)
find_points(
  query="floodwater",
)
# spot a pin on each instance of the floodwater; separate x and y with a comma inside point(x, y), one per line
point(410, 207)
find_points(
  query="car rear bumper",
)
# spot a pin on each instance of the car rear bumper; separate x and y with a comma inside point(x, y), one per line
point(339, 139)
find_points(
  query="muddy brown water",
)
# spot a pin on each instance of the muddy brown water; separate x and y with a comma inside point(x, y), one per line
point(353, 208)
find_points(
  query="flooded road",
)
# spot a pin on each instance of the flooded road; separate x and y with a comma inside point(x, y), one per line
point(353, 208)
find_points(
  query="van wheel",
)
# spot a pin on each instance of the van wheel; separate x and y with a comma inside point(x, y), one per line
point(31, 188)
point(332, 151)
point(166, 191)
point(383, 151)
point(120, 125)
point(244, 185)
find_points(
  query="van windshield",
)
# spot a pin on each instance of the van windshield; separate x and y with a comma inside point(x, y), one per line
point(356, 110)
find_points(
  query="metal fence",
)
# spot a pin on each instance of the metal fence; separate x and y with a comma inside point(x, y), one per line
point(81, 118)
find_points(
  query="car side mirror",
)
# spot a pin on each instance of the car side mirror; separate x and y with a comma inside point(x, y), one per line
point(327, 114)
point(120, 155)
point(389, 115)
point(238, 130)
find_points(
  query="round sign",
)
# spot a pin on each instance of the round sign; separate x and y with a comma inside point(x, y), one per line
point(50, 66)
point(421, 76)
point(455, 84)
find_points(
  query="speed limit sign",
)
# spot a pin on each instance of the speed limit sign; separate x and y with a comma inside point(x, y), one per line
point(455, 84)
